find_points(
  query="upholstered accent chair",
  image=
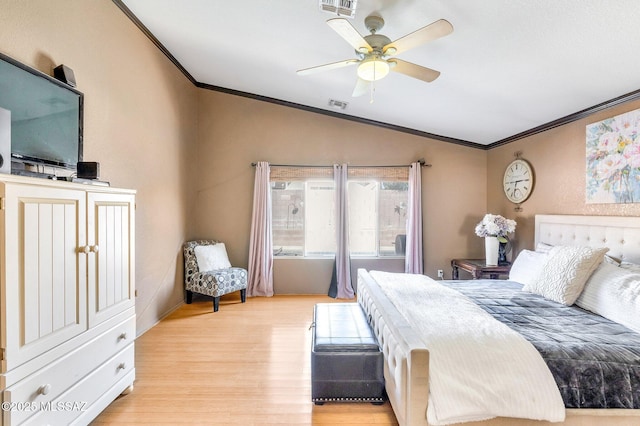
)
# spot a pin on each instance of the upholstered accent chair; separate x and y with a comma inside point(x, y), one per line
point(214, 276)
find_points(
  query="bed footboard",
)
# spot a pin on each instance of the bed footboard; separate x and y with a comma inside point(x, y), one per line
point(406, 366)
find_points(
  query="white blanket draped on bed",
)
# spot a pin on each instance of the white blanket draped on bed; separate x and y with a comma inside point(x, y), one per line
point(479, 368)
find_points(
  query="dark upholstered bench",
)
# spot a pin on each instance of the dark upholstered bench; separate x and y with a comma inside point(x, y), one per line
point(346, 361)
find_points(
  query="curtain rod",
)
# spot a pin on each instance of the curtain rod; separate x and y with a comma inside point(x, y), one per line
point(421, 161)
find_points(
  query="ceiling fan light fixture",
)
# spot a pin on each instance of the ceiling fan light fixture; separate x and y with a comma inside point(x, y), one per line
point(373, 68)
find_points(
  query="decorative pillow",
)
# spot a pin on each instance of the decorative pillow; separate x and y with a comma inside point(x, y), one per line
point(633, 267)
point(543, 247)
point(565, 273)
point(614, 293)
point(212, 257)
point(527, 266)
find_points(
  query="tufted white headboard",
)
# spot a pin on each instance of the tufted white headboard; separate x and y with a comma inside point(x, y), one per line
point(621, 234)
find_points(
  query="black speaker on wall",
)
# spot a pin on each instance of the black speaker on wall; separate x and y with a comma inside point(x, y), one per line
point(5, 141)
point(65, 75)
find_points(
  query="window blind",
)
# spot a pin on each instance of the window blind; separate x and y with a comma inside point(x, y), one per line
point(297, 173)
point(301, 173)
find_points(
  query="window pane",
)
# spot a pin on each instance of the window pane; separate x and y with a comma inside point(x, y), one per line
point(287, 220)
point(394, 199)
point(363, 217)
point(320, 230)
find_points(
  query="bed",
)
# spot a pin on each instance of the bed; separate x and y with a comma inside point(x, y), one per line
point(407, 357)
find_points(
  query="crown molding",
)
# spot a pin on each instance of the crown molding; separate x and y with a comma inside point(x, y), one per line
point(631, 96)
point(340, 115)
point(153, 39)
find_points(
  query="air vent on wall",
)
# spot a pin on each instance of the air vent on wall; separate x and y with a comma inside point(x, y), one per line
point(338, 104)
point(339, 7)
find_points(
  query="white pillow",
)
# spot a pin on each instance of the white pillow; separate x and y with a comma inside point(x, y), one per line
point(614, 293)
point(527, 266)
point(565, 272)
point(212, 257)
point(543, 247)
point(633, 267)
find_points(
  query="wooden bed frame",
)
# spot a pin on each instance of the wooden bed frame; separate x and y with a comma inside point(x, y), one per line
point(406, 367)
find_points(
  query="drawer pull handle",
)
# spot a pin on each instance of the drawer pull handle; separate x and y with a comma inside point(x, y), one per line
point(121, 366)
point(94, 249)
point(123, 336)
point(44, 389)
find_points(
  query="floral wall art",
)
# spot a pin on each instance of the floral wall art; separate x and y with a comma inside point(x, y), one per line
point(613, 159)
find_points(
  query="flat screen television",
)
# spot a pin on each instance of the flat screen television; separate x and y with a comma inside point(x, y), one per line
point(46, 116)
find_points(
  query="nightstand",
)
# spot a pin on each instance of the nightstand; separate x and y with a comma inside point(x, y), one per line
point(478, 269)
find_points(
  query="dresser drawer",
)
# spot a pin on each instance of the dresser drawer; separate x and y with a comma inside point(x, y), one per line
point(76, 406)
point(53, 380)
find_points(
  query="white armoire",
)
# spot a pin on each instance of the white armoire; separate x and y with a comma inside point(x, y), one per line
point(67, 307)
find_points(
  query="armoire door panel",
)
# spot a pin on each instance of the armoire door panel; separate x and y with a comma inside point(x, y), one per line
point(111, 269)
point(47, 303)
point(113, 259)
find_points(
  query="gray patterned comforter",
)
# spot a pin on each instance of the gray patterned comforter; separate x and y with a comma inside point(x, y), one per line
point(595, 361)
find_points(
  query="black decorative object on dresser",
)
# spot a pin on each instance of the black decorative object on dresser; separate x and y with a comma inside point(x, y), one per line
point(88, 170)
point(346, 361)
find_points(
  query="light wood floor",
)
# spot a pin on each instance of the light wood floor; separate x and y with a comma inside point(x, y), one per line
point(246, 364)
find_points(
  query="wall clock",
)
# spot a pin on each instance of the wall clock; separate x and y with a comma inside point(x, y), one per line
point(518, 181)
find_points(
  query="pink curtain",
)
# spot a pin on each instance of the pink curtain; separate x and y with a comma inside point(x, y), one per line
point(413, 255)
point(261, 243)
point(343, 262)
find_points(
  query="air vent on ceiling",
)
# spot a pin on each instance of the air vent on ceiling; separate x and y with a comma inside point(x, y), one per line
point(339, 7)
point(338, 104)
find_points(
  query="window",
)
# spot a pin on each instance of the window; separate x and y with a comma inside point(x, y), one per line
point(303, 211)
point(303, 216)
point(377, 217)
point(287, 218)
point(320, 229)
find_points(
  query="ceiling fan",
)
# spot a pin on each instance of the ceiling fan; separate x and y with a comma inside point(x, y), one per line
point(376, 52)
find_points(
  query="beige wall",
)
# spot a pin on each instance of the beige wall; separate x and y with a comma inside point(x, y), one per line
point(235, 131)
point(140, 123)
point(188, 151)
point(558, 159)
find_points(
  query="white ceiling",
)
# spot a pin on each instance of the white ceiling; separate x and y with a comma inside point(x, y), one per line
point(508, 67)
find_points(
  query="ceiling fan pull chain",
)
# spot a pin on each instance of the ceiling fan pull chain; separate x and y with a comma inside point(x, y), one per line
point(373, 88)
point(373, 85)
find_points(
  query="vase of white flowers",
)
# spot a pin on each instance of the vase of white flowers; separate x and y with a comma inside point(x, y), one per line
point(494, 228)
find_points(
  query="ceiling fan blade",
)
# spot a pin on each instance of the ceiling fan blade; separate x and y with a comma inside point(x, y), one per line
point(362, 88)
point(350, 34)
point(413, 70)
point(433, 31)
point(327, 67)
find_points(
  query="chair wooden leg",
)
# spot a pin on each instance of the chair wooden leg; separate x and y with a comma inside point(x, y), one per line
point(243, 295)
point(189, 297)
point(216, 303)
